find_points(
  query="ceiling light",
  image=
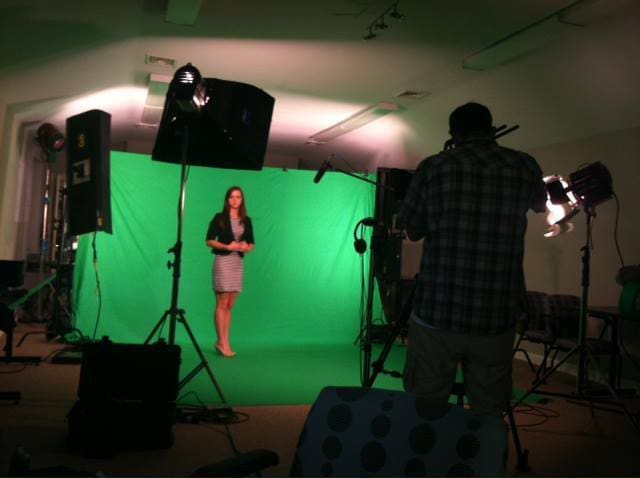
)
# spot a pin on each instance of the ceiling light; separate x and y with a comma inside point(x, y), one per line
point(395, 14)
point(378, 23)
point(590, 11)
point(183, 12)
point(370, 35)
point(357, 120)
point(538, 34)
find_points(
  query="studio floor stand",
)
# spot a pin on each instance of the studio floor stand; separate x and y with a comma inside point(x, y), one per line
point(584, 394)
point(175, 314)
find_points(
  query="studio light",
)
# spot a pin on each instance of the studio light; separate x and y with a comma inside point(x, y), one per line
point(370, 35)
point(395, 14)
point(189, 91)
point(49, 138)
point(584, 189)
point(381, 25)
point(590, 185)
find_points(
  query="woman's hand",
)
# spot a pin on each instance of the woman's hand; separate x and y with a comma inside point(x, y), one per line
point(235, 246)
point(246, 247)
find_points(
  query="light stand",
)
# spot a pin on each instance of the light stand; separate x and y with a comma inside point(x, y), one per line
point(365, 331)
point(590, 186)
point(174, 313)
point(585, 357)
point(213, 123)
point(56, 326)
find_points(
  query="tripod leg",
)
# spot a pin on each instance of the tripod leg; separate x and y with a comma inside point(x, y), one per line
point(546, 375)
point(522, 455)
point(400, 323)
point(378, 365)
point(157, 326)
point(203, 361)
point(634, 420)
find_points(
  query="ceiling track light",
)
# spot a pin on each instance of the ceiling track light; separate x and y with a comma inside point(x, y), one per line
point(395, 14)
point(381, 25)
point(379, 22)
point(370, 35)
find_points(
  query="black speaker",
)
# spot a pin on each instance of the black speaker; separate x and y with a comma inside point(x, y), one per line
point(127, 396)
point(88, 172)
point(231, 131)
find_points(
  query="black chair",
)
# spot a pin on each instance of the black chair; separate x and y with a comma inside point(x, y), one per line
point(535, 326)
point(565, 324)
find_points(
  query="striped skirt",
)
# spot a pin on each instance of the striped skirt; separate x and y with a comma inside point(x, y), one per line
point(227, 273)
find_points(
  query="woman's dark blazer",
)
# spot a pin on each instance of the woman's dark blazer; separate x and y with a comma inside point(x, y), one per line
point(220, 230)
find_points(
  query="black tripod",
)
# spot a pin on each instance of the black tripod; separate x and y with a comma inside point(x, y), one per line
point(174, 313)
point(458, 388)
point(585, 357)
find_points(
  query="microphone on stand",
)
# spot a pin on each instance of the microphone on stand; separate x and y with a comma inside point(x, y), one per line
point(323, 169)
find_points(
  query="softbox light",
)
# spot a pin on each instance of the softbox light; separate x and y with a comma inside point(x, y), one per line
point(230, 131)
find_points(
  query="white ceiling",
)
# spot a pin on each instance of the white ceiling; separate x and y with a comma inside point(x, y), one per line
point(61, 58)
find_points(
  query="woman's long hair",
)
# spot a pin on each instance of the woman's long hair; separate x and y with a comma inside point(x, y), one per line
point(242, 211)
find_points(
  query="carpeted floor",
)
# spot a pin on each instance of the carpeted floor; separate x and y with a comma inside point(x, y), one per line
point(271, 390)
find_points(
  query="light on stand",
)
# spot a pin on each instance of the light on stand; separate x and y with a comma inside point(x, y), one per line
point(189, 90)
point(49, 138)
point(585, 188)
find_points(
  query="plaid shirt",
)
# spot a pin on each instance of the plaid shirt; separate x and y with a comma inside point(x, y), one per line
point(470, 204)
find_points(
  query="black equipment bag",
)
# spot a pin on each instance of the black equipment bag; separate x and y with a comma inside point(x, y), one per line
point(127, 396)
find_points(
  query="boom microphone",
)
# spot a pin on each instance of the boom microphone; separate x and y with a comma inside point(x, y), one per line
point(323, 169)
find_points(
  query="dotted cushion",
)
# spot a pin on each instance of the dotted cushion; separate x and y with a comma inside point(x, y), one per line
point(359, 432)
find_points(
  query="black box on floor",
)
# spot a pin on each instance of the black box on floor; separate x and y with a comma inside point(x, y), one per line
point(127, 397)
point(129, 371)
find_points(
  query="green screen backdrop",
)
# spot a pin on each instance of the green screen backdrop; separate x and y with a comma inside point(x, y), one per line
point(301, 285)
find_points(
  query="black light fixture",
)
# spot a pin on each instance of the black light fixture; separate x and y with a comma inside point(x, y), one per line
point(395, 14)
point(381, 25)
point(370, 35)
point(584, 189)
point(50, 139)
point(590, 185)
point(189, 90)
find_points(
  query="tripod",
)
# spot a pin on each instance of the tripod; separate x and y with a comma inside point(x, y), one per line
point(585, 357)
point(458, 388)
point(174, 313)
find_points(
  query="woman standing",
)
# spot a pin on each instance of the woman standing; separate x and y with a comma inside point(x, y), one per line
point(230, 236)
